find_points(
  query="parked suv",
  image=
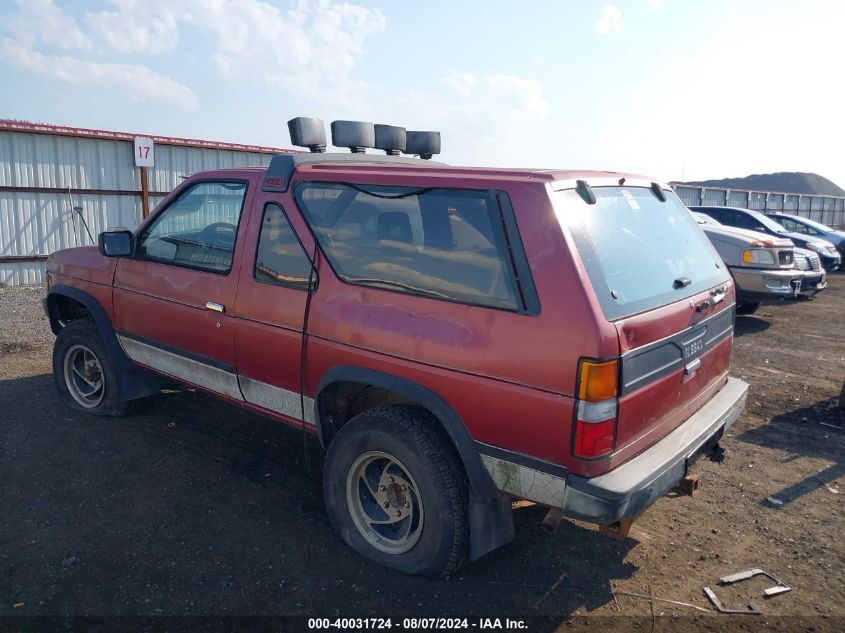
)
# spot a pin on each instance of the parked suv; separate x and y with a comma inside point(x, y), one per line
point(455, 337)
point(756, 221)
point(764, 267)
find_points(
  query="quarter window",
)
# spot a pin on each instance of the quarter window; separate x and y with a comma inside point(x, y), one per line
point(198, 229)
point(280, 259)
point(442, 243)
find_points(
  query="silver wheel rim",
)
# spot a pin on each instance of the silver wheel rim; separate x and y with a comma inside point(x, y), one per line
point(384, 502)
point(84, 376)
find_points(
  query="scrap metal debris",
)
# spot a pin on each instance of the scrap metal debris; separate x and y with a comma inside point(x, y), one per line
point(780, 588)
point(752, 609)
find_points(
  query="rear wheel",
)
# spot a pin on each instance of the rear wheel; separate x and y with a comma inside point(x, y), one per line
point(396, 493)
point(747, 307)
point(82, 371)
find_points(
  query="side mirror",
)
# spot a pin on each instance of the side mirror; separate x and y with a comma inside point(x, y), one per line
point(116, 243)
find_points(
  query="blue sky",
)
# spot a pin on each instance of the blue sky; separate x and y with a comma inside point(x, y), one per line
point(668, 88)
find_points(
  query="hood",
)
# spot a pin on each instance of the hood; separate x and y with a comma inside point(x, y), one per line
point(805, 239)
point(745, 235)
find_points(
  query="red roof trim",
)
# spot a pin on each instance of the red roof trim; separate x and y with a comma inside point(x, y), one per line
point(43, 128)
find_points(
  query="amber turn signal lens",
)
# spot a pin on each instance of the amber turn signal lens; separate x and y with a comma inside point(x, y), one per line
point(598, 381)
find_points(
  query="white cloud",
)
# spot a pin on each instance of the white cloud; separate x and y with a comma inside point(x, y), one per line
point(610, 21)
point(137, 82)
point(40, 21)
point(137, 27)
point(494, 97)
point(312, 47)
point(484, 118)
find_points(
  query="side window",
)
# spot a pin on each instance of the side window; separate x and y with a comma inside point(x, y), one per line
point(280, 258)
point(443, 243)
point(198, 229)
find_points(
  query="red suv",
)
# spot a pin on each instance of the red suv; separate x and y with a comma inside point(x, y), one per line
point(456, 337)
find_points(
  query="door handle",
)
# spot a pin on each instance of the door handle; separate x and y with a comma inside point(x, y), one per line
point(216, 307)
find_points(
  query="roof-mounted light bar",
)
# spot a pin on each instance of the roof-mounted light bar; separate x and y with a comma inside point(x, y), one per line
point(308, 132)
point(390, 138)
point(423, 144)
point(356, 135)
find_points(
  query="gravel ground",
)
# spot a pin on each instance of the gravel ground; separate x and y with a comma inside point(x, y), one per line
point(192, 506)
point(24, 331)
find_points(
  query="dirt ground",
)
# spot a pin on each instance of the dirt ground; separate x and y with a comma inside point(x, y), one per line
point(193, 507)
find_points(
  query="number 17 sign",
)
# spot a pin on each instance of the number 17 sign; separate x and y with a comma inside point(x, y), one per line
point(144, 152)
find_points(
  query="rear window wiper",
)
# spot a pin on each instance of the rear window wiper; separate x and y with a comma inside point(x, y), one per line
point(367, 281)
point(681, 282)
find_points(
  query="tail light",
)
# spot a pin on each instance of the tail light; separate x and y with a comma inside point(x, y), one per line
point(595, 420)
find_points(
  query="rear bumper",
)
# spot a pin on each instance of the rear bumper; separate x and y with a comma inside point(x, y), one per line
point(626, 491)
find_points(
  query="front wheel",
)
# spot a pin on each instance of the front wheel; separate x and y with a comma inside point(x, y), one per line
point(396, 492)
point(83, 373)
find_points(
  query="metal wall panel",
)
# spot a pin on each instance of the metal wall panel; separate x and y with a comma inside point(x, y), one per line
point(757, 200)
point(775, 202)
point(38, 224)
point(804, 203)
point(737, 199)
point(690, 196)
point(790, 203)
point(714, 197)
point(43, 160)
point(173, 163)
point(19, 274)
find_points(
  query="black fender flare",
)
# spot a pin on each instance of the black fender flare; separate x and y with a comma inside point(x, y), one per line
point(132, 382)
point(490, 514)
point(480, 481)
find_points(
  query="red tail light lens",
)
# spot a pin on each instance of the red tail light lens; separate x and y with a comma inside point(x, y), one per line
point(594, 439)
point(597, 406)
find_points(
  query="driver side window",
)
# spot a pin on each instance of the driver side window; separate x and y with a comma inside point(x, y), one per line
point(198, 229)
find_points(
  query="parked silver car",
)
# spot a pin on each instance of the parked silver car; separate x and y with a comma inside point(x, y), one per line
point(764, 267)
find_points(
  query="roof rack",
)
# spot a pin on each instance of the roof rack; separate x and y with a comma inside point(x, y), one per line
point(282, 166)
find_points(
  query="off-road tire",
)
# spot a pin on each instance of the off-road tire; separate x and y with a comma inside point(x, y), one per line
point(414, 438)
point(83, 334)
point(747, 307)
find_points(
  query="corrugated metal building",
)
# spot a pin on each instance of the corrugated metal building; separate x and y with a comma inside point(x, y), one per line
point(829, 210)
point(46, 171)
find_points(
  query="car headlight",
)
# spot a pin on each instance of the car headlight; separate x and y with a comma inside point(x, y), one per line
point(758, 256)
point(815, 246)
point(802, 263)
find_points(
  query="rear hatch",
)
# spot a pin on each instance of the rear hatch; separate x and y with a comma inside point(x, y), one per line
point(660, 282)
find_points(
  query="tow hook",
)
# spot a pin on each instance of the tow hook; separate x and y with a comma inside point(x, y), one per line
point(716, 454)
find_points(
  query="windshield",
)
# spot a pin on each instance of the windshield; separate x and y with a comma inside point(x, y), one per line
point(768, 222)
point(640, 253)
point(816, 225)
point(703, 218)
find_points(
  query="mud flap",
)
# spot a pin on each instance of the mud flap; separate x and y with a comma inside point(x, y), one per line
point(490, 524)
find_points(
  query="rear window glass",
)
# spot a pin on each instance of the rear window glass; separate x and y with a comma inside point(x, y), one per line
point(441, 243)
point(640, 253)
